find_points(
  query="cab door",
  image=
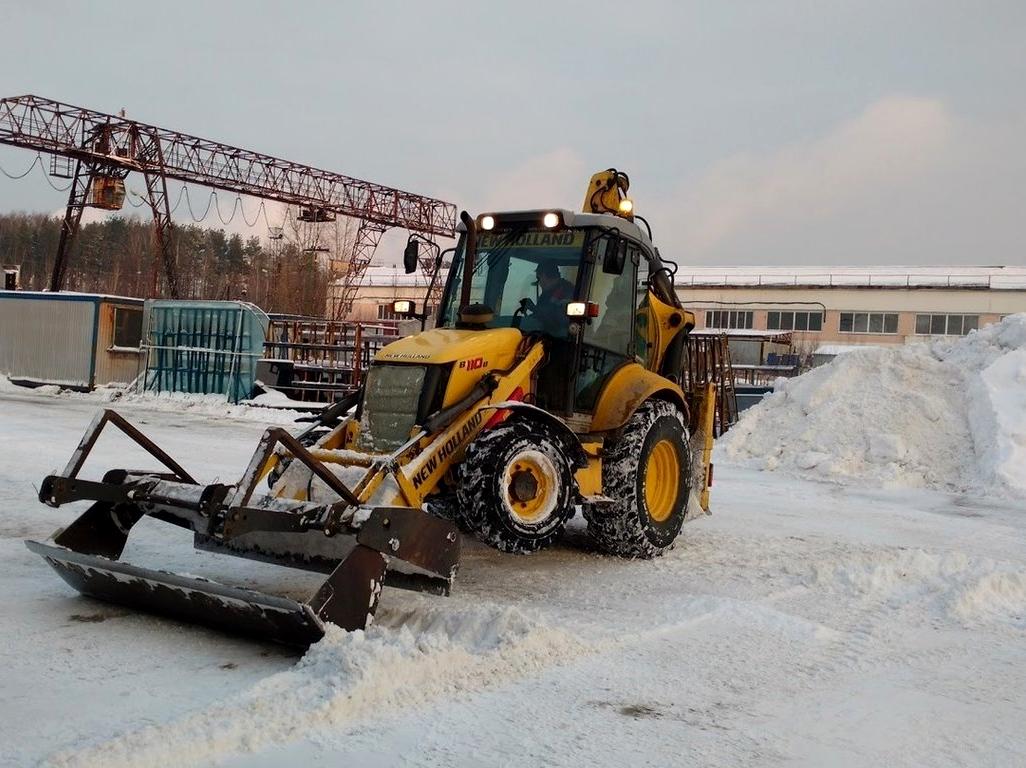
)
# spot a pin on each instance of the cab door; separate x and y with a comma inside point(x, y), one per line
point(609, 340)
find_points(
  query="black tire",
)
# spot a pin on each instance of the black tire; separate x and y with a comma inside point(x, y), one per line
point(628, 527)
point(497, 473)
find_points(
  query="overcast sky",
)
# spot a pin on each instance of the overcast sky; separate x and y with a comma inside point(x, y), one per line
point(754, 133)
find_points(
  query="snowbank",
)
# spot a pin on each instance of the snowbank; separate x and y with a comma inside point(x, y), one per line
point(948, 415)
point(209, 405)
point(175, 402)
point(408, 660)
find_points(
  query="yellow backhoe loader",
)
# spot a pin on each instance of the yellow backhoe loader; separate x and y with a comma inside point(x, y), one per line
point(561, 377)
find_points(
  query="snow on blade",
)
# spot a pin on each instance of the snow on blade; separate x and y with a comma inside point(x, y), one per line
point(948, 415)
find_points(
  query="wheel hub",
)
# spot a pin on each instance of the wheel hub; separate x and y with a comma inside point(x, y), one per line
point(523, 486)
point(531, 487)
point(662, 480)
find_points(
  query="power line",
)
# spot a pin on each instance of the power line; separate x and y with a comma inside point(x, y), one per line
point(38, 159)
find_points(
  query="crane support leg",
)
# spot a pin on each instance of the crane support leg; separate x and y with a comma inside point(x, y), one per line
point(367, 238)
point(77, 197)
point(163, 234)
point(152, 152)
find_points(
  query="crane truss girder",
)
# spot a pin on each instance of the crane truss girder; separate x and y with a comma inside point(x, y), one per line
point(95, 137)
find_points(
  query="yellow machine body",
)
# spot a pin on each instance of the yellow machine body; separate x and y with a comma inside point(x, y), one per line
point(553, 386)
point(512, 360)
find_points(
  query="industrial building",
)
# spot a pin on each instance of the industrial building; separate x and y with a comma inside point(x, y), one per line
point(818, 307)
point(381, 286)
point(828, 309)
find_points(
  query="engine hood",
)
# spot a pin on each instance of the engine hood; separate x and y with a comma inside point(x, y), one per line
point(488, 349)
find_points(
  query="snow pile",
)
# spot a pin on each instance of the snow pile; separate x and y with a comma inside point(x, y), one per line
point(6, 385)
point(407, 660)
point(273, 398)
point(208, 405)
point(949, 415)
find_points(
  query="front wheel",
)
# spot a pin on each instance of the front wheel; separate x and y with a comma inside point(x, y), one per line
point(516, 487)
point(647, 474)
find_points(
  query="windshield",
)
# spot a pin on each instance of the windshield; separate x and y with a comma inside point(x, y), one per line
point(526, 277)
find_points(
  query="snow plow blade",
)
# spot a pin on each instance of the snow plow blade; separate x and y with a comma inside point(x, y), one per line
point(197, 600)
point(401, 546)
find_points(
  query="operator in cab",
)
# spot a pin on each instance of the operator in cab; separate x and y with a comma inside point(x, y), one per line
point(556, 293)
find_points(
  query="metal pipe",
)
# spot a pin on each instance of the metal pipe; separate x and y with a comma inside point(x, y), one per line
point(469, 255)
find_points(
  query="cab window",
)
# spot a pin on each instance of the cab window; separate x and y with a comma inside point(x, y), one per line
point(524, 276)
point(608, 338)
point(616, 297)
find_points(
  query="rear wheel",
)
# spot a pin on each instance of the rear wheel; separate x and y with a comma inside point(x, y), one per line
point(516, 489)
point(647, 474)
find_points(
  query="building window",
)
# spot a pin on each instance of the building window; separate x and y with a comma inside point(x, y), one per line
point(869, 322)
point(127, 327)
point(728, 318)
point(794, 321)
point(946, 325)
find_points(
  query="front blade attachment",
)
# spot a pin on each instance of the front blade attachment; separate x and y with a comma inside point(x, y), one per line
point(414, 549)
point(418, 550)
point(424, 550)
point(234, 609)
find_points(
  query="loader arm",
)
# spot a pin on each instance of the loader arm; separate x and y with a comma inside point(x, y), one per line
point(383, 535)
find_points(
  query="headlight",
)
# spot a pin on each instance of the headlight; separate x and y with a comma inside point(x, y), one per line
point(582, 309)
point(404, 307)
point(551, 220)
point(487, 222)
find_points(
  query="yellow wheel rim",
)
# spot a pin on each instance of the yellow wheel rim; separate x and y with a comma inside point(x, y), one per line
point(530, 486)
point(662, 480)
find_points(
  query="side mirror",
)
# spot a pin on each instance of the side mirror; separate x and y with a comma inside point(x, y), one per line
point(411, 256)
point(404, 307)
point(616, 255)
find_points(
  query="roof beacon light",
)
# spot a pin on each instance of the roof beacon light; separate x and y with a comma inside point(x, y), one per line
point(626, 205)
point(487, 222)
point(551, 220)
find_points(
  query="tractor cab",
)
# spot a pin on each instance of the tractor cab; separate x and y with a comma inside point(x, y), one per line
point(577, 280)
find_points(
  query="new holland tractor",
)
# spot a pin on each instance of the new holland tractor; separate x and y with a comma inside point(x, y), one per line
point(561, 378)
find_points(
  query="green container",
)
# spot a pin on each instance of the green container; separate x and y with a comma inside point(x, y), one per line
point(203, 347)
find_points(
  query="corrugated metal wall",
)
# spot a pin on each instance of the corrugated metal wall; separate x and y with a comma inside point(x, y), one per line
point(115, 366)
point(46, 339)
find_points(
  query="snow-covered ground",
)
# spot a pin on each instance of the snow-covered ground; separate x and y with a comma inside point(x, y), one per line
point(804, 623)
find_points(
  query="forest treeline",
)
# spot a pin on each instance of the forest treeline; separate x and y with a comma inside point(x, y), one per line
point(116, 256)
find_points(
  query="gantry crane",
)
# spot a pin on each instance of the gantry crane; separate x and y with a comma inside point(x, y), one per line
point(100, 150)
